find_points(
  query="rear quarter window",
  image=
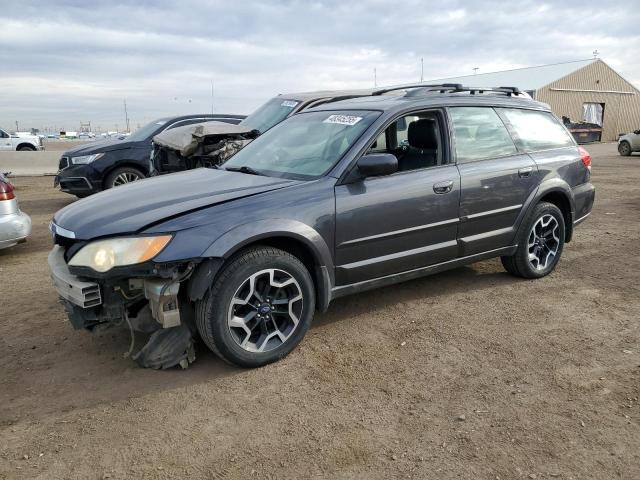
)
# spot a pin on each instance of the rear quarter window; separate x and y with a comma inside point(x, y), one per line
point(479, 134)
point(534, 130)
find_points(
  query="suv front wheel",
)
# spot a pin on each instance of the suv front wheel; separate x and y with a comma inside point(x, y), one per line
point(122, 176)
point(540, 242)
point(258, 309)
point(624, 149)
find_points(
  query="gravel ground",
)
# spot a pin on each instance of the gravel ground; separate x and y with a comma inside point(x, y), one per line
point(466, 374)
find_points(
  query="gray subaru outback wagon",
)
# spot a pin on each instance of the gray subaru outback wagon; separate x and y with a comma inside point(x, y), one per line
point(341, 198)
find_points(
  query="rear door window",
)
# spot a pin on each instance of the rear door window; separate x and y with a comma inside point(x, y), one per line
point(479, 134)
point(535, 130)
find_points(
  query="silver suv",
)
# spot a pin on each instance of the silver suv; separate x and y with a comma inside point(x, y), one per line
point(629, 143)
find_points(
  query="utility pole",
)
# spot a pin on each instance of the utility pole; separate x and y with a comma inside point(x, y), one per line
point(213, 108)
point(421, 69)
point(126, 116)
point(375, 78)
point(475, 70)
point(17, 129)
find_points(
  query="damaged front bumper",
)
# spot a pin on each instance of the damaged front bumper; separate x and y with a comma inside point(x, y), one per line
point(148, 306)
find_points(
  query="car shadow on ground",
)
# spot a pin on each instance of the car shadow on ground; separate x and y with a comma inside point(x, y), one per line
point(95, 364)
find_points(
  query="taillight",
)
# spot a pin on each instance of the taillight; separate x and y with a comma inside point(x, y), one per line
point(6, 191)
point(585, 157)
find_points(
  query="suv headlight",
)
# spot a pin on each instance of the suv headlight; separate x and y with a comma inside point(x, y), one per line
point(103, 255)
point(84, 159)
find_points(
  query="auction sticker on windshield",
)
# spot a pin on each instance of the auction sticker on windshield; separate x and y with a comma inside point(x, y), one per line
point(342, 119)
point(289, 103)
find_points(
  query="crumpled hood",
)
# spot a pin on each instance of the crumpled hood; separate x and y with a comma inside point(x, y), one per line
point(185, 139)
point(99, 146)
point(130, 208)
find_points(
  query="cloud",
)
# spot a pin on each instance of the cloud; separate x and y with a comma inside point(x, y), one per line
point(62, 62)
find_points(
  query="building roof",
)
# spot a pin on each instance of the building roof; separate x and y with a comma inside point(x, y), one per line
point(528, 78)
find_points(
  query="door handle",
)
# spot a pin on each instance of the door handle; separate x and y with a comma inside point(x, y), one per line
point(443, 187)
point(525, 172)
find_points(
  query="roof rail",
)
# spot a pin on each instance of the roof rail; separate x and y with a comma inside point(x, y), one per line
point(444, 87)
point(421, 89)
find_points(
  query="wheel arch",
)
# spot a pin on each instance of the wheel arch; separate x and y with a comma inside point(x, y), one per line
point(559, 193)
point(30, 146)
point(561, 200)
point(296, 238)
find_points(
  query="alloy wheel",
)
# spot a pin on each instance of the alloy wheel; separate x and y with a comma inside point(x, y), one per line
point(543, 242)
point(265, 310)
point(125, 177)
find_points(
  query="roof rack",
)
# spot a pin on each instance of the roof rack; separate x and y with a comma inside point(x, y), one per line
point(421, 89)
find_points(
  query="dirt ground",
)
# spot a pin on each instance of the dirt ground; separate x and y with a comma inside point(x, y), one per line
point(467, 374)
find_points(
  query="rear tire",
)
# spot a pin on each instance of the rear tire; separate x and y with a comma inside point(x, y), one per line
point(624, 149)
point(122, 176)
point(26, 148)
point(540, 242)
point(258, 309)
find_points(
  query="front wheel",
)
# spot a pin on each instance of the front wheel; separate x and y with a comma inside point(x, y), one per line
point(122, 176)
point(540, 243)
point(258, 309)
point(624, 149)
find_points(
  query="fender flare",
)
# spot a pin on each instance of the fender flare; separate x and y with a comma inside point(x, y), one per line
point(553, 185)
point(249, 233)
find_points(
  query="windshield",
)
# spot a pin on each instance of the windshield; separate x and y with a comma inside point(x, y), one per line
point(145, 132)
point(270, 114)
point(304, 146)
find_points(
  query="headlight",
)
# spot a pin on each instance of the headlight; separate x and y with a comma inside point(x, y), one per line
point(84, 159)
point(103, 255)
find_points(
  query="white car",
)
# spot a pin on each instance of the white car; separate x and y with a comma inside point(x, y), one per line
point(15, 226)
point(20, 143)
point(629, 143)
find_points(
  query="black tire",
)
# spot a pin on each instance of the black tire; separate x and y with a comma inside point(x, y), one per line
point(519, 263)
point(624, 149)
point(214, 310)
point(114, 179)
point(26, 148)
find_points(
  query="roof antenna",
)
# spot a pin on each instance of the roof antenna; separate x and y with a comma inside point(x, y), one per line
point(421, 69)
point(596, 53)
point(475, 70)
point(375, 78)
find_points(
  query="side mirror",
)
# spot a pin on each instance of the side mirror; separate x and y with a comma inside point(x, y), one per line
point(637, 132)
point(376, 164)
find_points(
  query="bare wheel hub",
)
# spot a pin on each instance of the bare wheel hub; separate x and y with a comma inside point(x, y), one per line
point(265, 310)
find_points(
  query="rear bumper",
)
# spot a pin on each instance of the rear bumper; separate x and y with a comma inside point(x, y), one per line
point(584, 196)
point(14, 228)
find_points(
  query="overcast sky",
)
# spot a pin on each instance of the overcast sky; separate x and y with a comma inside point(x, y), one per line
point(62, 61)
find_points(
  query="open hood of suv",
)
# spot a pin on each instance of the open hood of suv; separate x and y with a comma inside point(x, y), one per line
point(130, 208)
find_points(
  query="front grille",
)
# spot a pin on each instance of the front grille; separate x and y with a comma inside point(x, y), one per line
point(64, 163)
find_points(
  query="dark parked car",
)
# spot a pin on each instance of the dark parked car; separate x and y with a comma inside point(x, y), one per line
point(335, 200)
point(212, 143)
point(100, 165)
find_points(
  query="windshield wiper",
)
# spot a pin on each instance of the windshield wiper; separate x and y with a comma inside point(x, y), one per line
point(244, 169)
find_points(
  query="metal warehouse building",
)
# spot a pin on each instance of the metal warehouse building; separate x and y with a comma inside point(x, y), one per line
point(588, 90)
